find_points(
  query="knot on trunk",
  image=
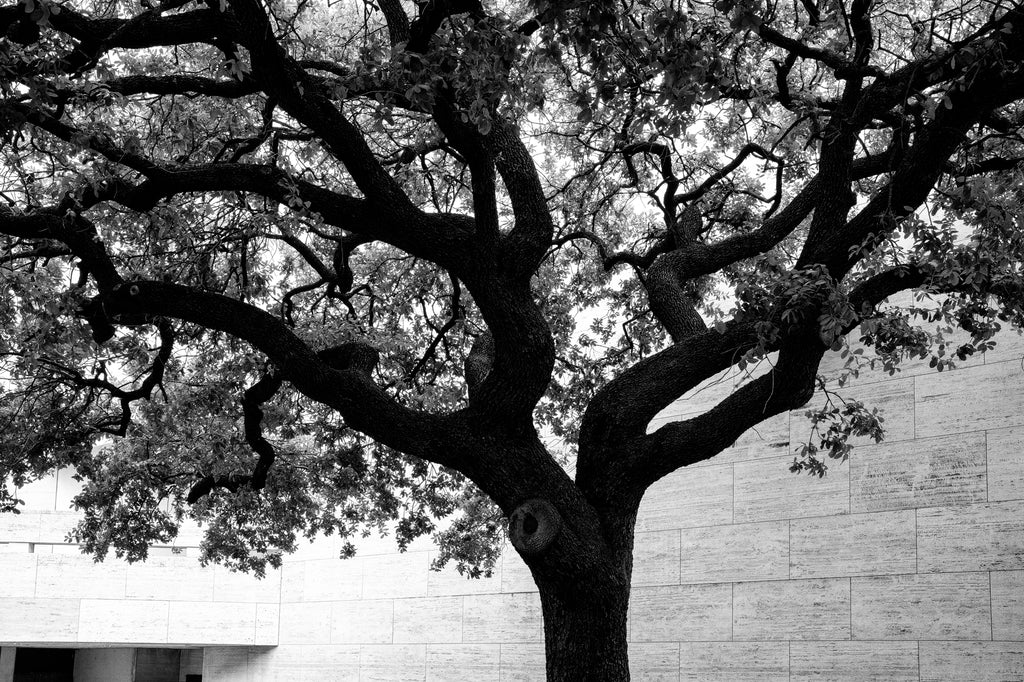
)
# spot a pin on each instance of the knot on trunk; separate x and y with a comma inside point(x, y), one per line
point(479, 361)
point(533, 526)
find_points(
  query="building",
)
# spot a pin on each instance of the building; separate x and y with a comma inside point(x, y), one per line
point(905, 564)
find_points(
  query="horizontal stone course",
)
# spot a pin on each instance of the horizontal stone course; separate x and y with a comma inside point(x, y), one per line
point(463, 662)
point(428, 620)
point(846, 661)
point(674, 613)
point(739, 552)
point(792, 609)
point(905, 563)
point(970, 399)
point(707, 501)
point(973, 537)
point(502, 618)
point(1005, 460)
point(767, 489)
point(927, 472)
point(973, 661)
point(1007, 605)
point(941, 606)
point(656, 558)
point(734, 662)
point(367, 621)
point(894, 400)
point(854, 544)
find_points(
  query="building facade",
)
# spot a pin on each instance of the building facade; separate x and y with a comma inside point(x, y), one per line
point(904, 564)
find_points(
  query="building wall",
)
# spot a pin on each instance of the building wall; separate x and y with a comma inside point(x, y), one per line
point(904, 564)
point(51, 595)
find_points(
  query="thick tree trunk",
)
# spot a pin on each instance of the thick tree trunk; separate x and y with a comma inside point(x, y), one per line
point(581, 558)
point(585, 637)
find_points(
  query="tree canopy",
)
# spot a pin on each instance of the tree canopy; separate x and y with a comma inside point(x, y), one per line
point(297, 267)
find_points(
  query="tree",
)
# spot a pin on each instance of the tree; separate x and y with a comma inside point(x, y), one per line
point(292, 267)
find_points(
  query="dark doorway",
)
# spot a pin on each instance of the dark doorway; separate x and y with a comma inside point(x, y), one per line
point(44, 665)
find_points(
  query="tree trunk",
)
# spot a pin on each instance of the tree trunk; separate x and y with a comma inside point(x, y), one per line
point(585, 636)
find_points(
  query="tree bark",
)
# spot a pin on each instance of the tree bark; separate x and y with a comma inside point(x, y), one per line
point(585, 632)
point(585, 635)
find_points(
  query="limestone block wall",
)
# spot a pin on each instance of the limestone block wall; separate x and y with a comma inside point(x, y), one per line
point(52, 595)
point(904, 564)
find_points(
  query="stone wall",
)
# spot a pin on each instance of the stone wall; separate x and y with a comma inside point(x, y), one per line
point(906, 563)
point(52, 595)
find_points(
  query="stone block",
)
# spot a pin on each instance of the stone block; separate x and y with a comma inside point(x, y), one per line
point(463, 662)
point(370, 621)
point(515, 574)
point(1009, 347)
point(268, 624)
point(428, 620)
point(500, 618)
point(55, 526)
point(927, 472)
point(334, 579)
point(214, 623)
point(1006, 464)
point(894, 400)
point(22, 528)
point(305, 623)
point(767, 489)
point(792, 609)
point(1007, 605)
point(973, 661)
point(39, 495)
point(734, 662)
point(231, 585)
point(745, 453)
point(171, 579)
point(395, 575)
point(673, 613)
point(293, 581)
point(853, 661)
point(300, 663)
point(656, 558)
point(975, 537)
point(692, 496)
point(449, 582)
point(77, 576)
point(654, 662)
point(854, 544)
point(771, 435)
point(985, 397)
point(19, 575)
point(116, 621)
point(942, 606)
point(522, 663)
point(39, 620)
point(732, 553)
point(392, 662)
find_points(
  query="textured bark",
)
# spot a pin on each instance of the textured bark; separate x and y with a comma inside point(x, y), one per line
point(585, 635)
point(586, 641)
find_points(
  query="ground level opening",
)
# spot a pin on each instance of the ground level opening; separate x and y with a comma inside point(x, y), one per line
point(100, 664)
